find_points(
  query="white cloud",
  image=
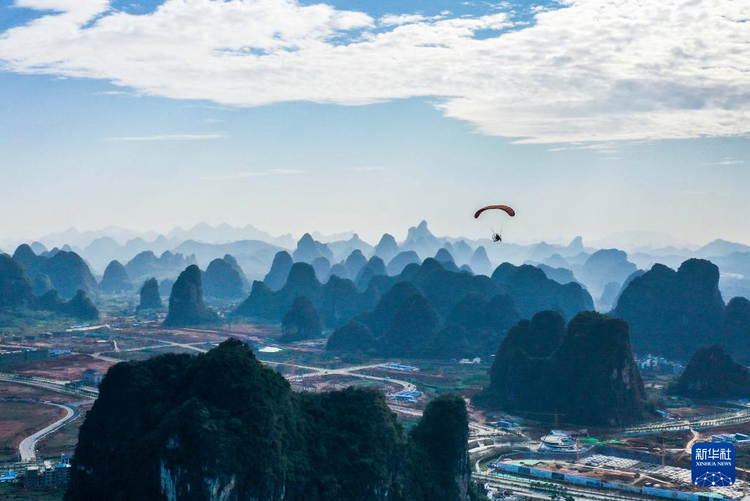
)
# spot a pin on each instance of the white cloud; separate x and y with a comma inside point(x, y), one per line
point(592, 70)
point(172, 137)
point(727, 161)
point(399, 19)
point(601, 147)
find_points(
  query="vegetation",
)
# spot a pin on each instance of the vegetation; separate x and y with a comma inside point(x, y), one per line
point(670, 312)
point(222, 422)
point(15, 492)
point(150, 297)
point(115, 280)
point(301, 322)
point(17, 299)
point(282, 264)
point(67, 271)
point(482, 307)
point(168, 265)
point(186, 306)
point(585, 373)
point(712, 373)
point(351, 338)
point(222, 280)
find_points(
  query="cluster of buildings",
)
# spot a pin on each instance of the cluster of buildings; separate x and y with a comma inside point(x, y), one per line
point(660, 365)
point(467, 361)
point(735, 438)
point(503, 425)
point(540, 470)
point(9, 357)
point(42, 474)
point(409, 397)
point(399, 367)
point(47, 474)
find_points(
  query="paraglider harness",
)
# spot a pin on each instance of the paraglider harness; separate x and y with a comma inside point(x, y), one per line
point(496, 237)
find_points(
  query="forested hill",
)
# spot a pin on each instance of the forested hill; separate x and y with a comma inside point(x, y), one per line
point(222, 426)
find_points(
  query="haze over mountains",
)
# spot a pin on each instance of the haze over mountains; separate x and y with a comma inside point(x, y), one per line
point(602, 271)
point(672, 302)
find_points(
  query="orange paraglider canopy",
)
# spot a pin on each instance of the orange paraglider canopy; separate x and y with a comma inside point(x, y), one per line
point(505, 208)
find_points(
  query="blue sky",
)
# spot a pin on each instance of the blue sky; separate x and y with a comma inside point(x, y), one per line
point(371, 116)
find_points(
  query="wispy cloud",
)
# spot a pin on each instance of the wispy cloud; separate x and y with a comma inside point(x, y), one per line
point(250, 174)
point(702, 193)
point(600, 147)
point(726, 161)
point(400, 19)
point(370, 168)
point(172, 137)
point(116, 93)
point(590, 70)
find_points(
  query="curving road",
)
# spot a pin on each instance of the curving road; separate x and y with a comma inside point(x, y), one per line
point(27, 448)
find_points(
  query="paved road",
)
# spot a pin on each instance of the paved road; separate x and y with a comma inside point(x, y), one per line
point(347, 371)
point(696, 437)
point(710, 421)
point(27, 448)
point(50, 384)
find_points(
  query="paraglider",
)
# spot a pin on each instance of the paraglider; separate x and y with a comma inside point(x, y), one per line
point(494, 215)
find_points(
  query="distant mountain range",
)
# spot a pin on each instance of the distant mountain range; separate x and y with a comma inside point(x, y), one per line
point(601, 270)
point(201, 232)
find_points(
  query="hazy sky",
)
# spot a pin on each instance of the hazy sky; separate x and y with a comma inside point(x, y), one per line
point(591, 117)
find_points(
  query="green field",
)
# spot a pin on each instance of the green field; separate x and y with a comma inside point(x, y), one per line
point(14, 492)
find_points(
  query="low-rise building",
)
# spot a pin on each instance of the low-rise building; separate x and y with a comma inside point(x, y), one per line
point(47, 475)
point(92, 377)
point(22, 355)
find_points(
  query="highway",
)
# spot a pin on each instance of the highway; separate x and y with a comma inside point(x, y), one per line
point(27, 448)
point(346, 371)
point(710, 421)
point(313, 371)
point(50, 384)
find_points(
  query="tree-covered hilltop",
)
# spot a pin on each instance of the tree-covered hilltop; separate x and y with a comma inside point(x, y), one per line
point(277, 275)
point(712, 373)
point(301, 322)
point(672, 313)
point(533, 292)
point(150, 299)
point(67, 271)
point(222, 426)
point(186, 306)
point(115, 279)
point(145, 265)
point(518, 373)
point(223, 279)
point(585, 373)
point(17, 297)
point(339, 300)
point(404, 323)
